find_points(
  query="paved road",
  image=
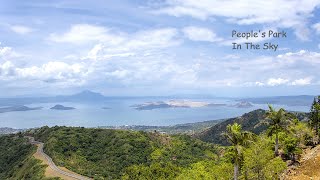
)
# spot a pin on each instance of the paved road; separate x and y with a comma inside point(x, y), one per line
point(51, 163)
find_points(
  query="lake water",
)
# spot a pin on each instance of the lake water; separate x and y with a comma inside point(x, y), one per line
point(120, 113)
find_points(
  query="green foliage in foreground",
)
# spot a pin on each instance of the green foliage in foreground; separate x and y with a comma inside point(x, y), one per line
point(208, 170)
point(259, 161)
point(239, 140)
point(314, 119)
point(16, 160)
point(115, 154)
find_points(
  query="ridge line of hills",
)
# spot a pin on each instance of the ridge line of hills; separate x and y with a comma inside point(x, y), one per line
point(90, 96)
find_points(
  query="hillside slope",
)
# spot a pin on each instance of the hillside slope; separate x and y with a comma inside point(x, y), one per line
point(250, 121)
point(16, 160)
point(309, 166)
point(114, 154)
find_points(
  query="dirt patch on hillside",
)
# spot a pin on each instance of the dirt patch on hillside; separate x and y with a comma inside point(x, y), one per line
point(309, 166)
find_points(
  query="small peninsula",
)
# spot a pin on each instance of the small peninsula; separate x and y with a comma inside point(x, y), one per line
point(17, 108)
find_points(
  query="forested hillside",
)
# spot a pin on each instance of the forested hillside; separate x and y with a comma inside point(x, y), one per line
point(251, 121)
point(115, 154)
point(16, 161)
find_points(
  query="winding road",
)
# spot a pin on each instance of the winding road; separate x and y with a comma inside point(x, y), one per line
point(51, 164)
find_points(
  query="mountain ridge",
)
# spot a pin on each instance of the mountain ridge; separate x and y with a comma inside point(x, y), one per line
point(250, 121)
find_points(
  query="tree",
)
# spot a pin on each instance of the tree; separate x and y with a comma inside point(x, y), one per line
point(259, 161)
point(291, 147)
point(238, 139)
point(207, 170)
point(278, 122)
point(314, 119)
point(301, 131)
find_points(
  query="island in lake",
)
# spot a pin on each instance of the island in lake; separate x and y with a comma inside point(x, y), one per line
point(18, 108)
point(174, 104)
point(61, 107)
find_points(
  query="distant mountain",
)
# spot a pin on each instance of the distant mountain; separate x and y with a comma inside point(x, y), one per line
point(303, 100)
point(83, 96)
point(249, 121)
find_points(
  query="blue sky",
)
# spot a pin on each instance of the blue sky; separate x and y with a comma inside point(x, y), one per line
point(157, 47)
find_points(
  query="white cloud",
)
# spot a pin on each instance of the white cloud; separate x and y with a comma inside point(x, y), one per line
point(286, 69)
point(316, 27)
point(259, 83)
point(129, 66)
point(302, 81)
point(4, 51)
point(109, 44)
point(100, 52)
point(136, 43)
point(6, 69)
point(276, 82)
point(303, 57)
point(7, 53)
point(51, 72)
point(21, 29)
point(281, 81)
point(283, 13)
point(84, 33)
point(119, 41)
point(120, 74)
point(200, 34)
point(231, 56)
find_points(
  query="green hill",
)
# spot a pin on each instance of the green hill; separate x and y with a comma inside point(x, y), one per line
point(115, 154)
point(249, 121)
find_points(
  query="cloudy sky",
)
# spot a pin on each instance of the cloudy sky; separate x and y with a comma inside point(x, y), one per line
point(157, 47)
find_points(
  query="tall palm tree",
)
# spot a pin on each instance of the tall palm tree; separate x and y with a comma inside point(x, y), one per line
point(238, 140)
point(278, 122)
point(314, 119)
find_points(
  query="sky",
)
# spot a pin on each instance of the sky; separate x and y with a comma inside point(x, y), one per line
point(158, 47)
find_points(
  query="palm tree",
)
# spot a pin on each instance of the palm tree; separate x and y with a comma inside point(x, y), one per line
point(278, 122)
point(238, 140)
point(314, 119)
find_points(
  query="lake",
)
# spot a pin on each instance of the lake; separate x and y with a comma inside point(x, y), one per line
point(120, 112)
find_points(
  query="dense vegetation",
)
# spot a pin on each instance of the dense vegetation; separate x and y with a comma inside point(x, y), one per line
point(249, 121)
point(188, 128)
point(16, 161)
point(112, 154)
